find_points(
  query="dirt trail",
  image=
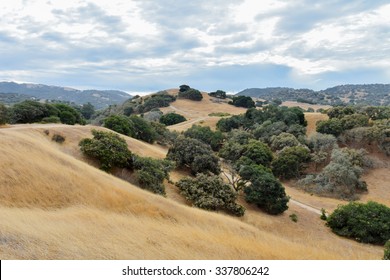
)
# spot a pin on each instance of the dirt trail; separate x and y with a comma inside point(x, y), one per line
point(305, 206)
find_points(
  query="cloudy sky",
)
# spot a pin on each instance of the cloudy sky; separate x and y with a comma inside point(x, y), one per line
point(145, 45)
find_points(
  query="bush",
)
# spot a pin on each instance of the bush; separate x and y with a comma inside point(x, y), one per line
point(172, 118)
point(386, 255)
point(258, 152)
point(51, 119)
point(194, 154)
point(367, 223)
point(284, 140)
point(152, 172)
point(227, 124)
point(331, 126)
point(3, 114)
point(290, 162)
point(189, 93)
point(158, 100)
point(206, 135)
point(58, 138)
point(243, 101)
point(120, 124)
point(143, 130)
point(210, 193)
point(107, 147)
point(218, 94)
point(294, 218)
point(264, 190)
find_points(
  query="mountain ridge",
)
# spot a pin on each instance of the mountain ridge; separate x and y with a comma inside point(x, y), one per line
point(98, 98)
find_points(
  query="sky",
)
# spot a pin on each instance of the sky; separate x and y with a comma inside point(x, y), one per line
point(145, 46)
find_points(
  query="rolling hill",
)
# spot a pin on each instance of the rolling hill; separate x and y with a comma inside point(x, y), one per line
point(54, 204)
point(370, 94)
point(98, 98)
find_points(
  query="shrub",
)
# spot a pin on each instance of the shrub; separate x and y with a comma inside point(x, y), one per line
point(218, 94)
point(227, 124)
point(264, 190)
point(243, 101)
point(331, 126)
point(367, 223)
point(51, 119)
point(323, 214)
point(386, 255)
point(152, 172)
point(206, 135)
point(107, 147)
point(172, 118)
point(189, 93)
point(290, 162)
point(3, 114)
point(294, 218)
point(284, 140)
point(258, 152)
point(58, 138)
point(210, 193)
point(194, 154)
point(158, 100)
point(120, 124)
point(143, 130)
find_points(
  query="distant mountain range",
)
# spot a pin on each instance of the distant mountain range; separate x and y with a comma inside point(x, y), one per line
point(11, 92)
point(369, 94)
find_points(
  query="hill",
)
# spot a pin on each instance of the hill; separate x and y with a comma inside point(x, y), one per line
point(98, 98)
point(370, 94)
point(55, 205)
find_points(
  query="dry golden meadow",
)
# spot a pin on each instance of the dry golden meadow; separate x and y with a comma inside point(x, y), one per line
point(55, 204)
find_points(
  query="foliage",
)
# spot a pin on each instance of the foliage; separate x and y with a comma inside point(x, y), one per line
point(294, 217)
point(196, 155)
point(107, 147)
point(189, 93)
point(219, 114)
point(68, 114)
point(386, 254)
point(283, 140)
point(264, 190)
point(290, 162)
point(340, 111)
point(51, 119)
point(341, 177)
point(87, 110)
point(210, 193)
point(120, 124)
point(152, 172)
point(3, 114)
point(258, 152)
point(218, 94)
point(58, 138)
point(367, 223)
point(323, 214)
point(227, 124)
point(158, 100)
point(172, 118)
point(143, 130)
point(243, 101)
point(206, 135)
point(332, 126)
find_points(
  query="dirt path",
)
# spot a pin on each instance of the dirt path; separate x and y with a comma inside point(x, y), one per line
point(305, 206)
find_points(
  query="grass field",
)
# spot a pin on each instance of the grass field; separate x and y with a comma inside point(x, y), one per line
point(55, 205)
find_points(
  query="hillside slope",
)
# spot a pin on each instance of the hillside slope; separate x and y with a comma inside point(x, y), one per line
point(54, 206)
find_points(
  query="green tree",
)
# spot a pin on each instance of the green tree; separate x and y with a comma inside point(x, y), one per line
point(243, 101)
point(107, 147)
point(196, 155)
point(386, 255)
point(172, 118)
point(264, 190)
point(332, 126)
point(68, 114)
point(190, 93)
point(143, 129)
point(87, 110)
point(291, 162)
point(283, 140)
point(258, 152)
point(218, 94)
point(206, 135)
point(3, 114)
point(210, 193)
point(367, 223)
point(228, 124)
point(120, 124)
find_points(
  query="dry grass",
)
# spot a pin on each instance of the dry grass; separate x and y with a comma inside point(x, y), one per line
point(305, 106)
point(55, 206)
point(312, 119)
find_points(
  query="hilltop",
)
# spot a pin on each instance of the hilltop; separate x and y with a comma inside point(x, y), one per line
point(11, 92)
point(370, 94)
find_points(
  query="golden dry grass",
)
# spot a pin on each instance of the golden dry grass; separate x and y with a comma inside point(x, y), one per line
point(312, 119)
point(55, 206)
point(304, 106)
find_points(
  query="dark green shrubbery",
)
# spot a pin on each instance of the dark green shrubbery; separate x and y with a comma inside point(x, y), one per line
point(187, 92)
point(210, 193)
point(107, 147)
point(172, 118)
point(152, 172)
point(51, 119)
point(243, 101)
point(111, 151)
point(386, 254)
point(58, 138)
point(206, 135)
point(367, 223)
point(290, 162)
point(3, 114)
point(120, 124)
point(218, 94)
point(196, 155)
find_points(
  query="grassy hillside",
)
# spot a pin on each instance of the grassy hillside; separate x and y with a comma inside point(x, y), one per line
point(54, 205)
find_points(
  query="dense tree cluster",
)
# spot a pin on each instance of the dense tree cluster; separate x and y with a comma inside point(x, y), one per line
point(210, 193)
point(206, 135)
point(172, 118)
point(218, 94)
point(187, 92)
point(112, 151)
point(243, 101)
point(367, 223)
